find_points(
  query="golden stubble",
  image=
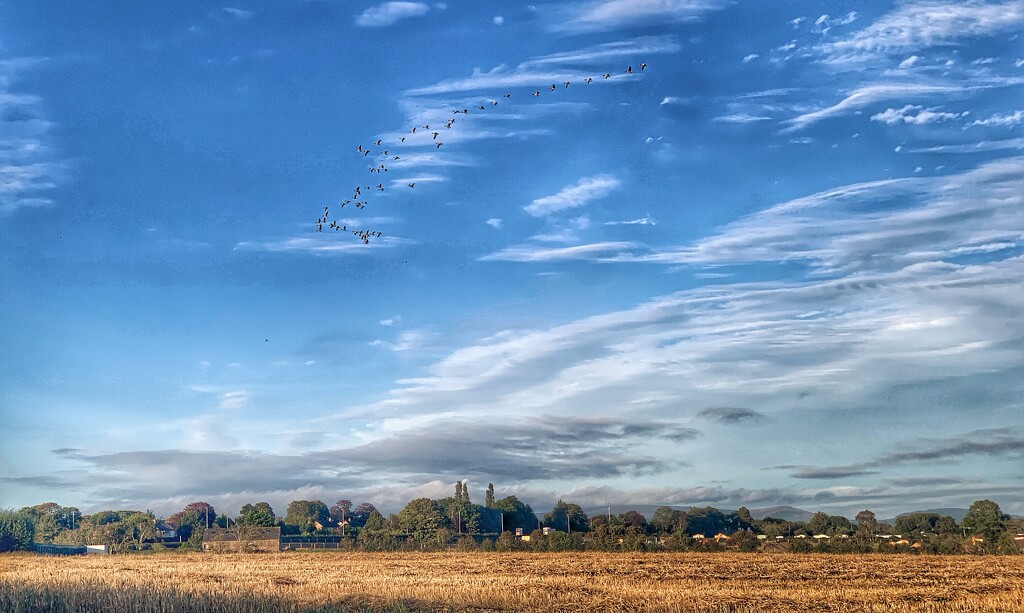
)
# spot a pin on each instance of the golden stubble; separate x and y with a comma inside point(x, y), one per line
point(517, 582)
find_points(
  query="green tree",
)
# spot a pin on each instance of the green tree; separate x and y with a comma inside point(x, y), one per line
point(489, 496)
point(916, 524)
point(819, 523)
point(744, 520)
point(635, 520)
point(341, 511)
point(306, 514)
point(506, 542)
point(516, 514)
point(567, 516)
point(745, 540)
point(985, 519)
point(361, 514)
point(866, 522)
point(259, 514)
point(667, 520)
point(16, 531)
point(375, 536)
point(421, 519)
point(706, 520)
point(136, 529)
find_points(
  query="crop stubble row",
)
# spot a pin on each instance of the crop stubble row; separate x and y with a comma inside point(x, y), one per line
point(516, 582)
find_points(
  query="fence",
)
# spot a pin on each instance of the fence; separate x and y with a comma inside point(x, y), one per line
point(59, 550)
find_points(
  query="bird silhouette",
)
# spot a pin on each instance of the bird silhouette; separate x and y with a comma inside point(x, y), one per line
point(359, 201)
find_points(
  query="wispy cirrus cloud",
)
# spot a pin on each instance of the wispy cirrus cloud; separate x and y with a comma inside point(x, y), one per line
point(574, 65)
point(604, 15)
point(867, 95)
point(535, 253)
point(328, 245)
point(390, 13)
point(915, 25)
point(582, 192)
point(29, 168)
point(237, 13)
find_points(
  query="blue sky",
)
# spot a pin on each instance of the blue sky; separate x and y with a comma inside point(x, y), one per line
point(780, 265)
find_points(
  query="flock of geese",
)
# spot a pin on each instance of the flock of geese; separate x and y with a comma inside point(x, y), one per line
point(381, 154)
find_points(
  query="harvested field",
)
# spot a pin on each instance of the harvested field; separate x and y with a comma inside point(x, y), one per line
point(337, 581)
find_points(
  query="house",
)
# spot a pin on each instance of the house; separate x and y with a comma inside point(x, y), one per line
point(242, 539)
point(163, 531)
point(821, 537)
point(721, 536)
point(1018, 540)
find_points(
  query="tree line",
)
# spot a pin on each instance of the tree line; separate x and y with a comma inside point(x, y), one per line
point(508, 523)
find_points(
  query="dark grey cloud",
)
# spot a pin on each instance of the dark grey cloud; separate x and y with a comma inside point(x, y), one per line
point(838, 472)
point(992, 442)
point(730, 415)
point(546, 447)
point(47, 481)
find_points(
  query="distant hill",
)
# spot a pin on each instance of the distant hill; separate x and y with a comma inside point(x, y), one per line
point(955, 513)
point(787, 513)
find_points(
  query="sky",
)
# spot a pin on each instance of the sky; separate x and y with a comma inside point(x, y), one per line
point(781, 264)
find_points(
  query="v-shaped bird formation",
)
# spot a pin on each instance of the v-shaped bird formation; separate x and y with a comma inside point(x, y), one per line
point(380, 154)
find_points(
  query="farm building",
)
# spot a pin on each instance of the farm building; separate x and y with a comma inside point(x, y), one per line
point(242, 538)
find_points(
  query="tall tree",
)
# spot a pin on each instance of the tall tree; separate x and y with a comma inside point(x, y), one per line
point(306, 514)
point(360, 514)
point(668, 520)
point(341, 510)
point(567, 517)
point(489, 496)
point(421, 519)
point(866, 522)
point(985, 519)
point(260, 514)
point(16, 530)
point(515, 514)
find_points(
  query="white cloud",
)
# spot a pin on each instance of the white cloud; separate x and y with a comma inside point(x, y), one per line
point(904, 115)
point(740, 118)
point(387, 322)
point(28, 168)
point(978, 147)
point(796, 22)
point(494, 222)
point(870, 94)
point(910, 61)
point(407, 341)
point(388, 13)
point(329, 244)
point(585, 190)
point(601, 15)
point(917, 25)
point(533, 253)
point(556, 67)
point(234, 400)
point(237, 13)
point(642, 221)
point(1010, 119)
point(750, 58)
point(498, 20)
